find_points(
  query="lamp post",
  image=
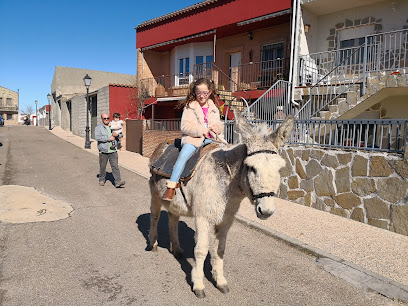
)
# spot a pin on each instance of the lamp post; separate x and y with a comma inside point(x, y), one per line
point(87, 82)
point(36, 114)
point(49, 111)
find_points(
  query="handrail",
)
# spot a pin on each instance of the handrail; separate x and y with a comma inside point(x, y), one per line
point(383, 135)
point(320, 85)
point(268, 106)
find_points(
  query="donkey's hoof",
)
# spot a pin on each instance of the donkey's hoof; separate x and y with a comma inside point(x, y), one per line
point(178, 253)
point(224, 289)
point(200, 294)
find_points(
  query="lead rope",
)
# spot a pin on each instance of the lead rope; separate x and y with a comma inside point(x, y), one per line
point(184, 196)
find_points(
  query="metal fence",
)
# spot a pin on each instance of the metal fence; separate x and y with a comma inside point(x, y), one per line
point(163, 124)
point(378, 52)
point(336, 82)
point(273, 104)
point(371, 135)
point(257, 75)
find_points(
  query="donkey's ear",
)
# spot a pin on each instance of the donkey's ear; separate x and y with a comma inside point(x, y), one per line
point(244, 129)
point(282, 134)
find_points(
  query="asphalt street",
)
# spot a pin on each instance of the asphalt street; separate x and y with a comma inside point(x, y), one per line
point(97, 255)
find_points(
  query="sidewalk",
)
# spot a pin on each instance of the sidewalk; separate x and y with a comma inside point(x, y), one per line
point(364, 255)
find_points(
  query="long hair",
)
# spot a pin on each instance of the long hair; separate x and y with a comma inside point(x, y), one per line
point(191, 96)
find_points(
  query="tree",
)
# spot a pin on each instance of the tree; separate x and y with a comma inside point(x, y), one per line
point(28, 110)
point(137, 96)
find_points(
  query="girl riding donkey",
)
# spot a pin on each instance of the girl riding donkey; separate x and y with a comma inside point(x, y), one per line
point(200, 125)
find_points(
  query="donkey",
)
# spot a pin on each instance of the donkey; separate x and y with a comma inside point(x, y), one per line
point(213, 195)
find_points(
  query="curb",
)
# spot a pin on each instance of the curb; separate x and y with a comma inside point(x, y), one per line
point(352, 273)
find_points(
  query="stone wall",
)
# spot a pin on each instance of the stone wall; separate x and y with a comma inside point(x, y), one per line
point(366, 187)
point(152, 138)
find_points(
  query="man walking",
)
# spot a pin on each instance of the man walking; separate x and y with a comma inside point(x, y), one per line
point(104, 136)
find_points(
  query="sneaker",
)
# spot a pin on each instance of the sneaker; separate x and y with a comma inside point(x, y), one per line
point(101, 183)
point(120, 184)
point(119, 146)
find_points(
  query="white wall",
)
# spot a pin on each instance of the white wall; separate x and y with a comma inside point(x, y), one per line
point(190, 50)
point(320, 25)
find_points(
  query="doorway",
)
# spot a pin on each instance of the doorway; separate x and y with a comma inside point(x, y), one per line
point(94, 115)
point(69, 115)
point(234, 62)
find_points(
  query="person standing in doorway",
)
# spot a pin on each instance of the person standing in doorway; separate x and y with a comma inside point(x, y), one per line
point(104, 136)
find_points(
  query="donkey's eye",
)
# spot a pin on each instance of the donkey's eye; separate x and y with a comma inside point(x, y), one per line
point(251, 170)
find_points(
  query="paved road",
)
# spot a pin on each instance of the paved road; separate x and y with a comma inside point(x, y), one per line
point(97, 256)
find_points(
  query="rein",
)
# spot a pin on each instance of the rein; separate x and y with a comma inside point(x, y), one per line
point(263, 194)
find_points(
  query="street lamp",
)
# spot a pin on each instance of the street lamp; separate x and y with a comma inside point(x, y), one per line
point(36, 114)
point(49, 111)
point(87, 82)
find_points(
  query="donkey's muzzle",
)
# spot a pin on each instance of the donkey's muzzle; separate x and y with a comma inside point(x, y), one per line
point(264, 208)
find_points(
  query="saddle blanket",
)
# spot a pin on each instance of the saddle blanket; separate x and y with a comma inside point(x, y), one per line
point(164, 165)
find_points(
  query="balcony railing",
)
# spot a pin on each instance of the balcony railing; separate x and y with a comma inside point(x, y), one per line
point(369, 135)
point(380, 52)
point(261, 75)
point(255, 75)
point(163, 125)
point(221, 80)
point(8, 108)
point(167, 85)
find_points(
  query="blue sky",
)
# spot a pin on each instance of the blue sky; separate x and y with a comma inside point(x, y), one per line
point(36, 36)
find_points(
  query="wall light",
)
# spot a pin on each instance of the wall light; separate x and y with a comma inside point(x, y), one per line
point(251, 36)
point(394, 6)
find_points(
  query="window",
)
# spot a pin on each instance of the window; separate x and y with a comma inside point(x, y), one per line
point(184, 71)
point(272, 57)
point(1, 101)
point(349, 41)
point(9, 101)
point(272, 52)
point(203, 66)
point(9, 117)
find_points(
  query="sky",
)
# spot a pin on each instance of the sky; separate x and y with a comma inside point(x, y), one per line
point(36, 36)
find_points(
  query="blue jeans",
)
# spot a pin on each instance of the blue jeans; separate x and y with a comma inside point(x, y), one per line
point(185, 154)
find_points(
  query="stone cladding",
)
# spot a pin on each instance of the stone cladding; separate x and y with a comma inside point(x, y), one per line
point(367, 187)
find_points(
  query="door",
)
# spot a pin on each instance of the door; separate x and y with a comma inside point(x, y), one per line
point(69, 115)
point(94, 115)
point(234, 62)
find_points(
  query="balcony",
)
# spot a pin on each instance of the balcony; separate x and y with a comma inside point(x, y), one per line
point(167, 85)
point(378, 54)
point(251, 76)
point(262, 75)
point(9, 109)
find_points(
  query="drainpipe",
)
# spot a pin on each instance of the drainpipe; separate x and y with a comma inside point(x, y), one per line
point(294, 48)
point(215, 39)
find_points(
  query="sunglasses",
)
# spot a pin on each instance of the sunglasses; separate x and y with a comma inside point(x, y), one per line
point(105, 118)
point(202, 93)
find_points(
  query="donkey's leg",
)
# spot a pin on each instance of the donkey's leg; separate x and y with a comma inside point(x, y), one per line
point(200, 252)
point(217, 254)
point(174, 238)
point(155, 208)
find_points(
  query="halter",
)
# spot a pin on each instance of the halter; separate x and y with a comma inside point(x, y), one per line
point(263, 194)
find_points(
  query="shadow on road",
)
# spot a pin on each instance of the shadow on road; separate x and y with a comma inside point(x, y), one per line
point(109, 177)
point(187, 242)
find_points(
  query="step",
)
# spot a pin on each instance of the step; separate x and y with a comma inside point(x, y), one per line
point(333, 108)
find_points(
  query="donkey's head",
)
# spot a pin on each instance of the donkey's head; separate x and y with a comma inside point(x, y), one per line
point(260, 177)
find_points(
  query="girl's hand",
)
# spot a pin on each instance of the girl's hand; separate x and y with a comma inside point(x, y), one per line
point(215, 129)
point(205, 132)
